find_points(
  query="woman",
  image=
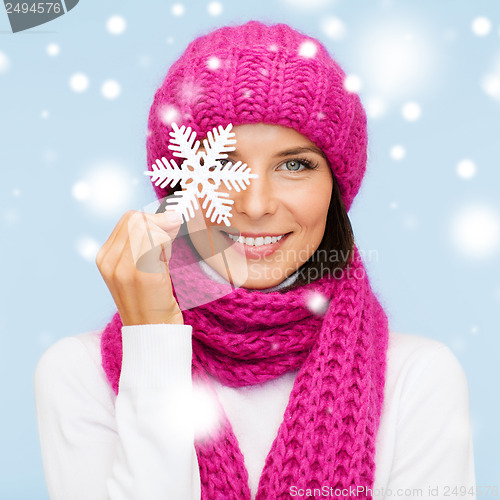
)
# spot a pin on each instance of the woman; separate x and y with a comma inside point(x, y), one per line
point(278, 344)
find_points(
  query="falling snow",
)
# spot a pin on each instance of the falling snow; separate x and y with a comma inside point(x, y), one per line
point(333, 28)
point(116, 25)
point(4, 63)
point(214, 8)
point(308, 49)
point(466, 169)
point(178, 9)
point(397, 152)
point(79, 82)
point(411, 111)
point(87, 248)
point(481, 26)
point(110, 89)
point(353, 83)
point(53, 49)
point(475, 232)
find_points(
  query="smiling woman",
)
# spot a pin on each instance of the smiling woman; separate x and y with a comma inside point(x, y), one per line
point(294, 397)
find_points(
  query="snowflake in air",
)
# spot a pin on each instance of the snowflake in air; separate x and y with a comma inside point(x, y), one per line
point(201, 173)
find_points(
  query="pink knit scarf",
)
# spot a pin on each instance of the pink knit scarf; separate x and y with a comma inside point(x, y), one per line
point(327, 436)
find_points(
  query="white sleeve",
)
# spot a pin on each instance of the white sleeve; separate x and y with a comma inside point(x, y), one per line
point(434, 453)
point(138, 446)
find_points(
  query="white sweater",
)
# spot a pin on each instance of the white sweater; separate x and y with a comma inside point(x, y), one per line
point(139, 445)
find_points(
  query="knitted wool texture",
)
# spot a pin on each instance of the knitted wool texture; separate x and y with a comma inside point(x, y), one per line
point(246, 337)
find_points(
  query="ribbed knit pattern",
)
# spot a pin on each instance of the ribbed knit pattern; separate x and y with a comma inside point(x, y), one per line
point(256, 73)
point(328, 433)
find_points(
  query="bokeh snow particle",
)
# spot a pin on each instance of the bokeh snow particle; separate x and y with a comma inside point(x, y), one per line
point(214, 8)
point(333, 28)
point(10, 216)
point(79, 82)
point(481, 26)
point(411, 111)
point(308, 49)
point(353, 83)
point(116, 25)
point(398, 152)
point(317, 303)
point(466, 169)
point(106, 189)
point(205, 414)
point(53, 49)
point(375, 107)
point(491, 85)
point(395, 64)
point(16, 192)
point(44, 114)
point(178, 9)
point(169, 114)
point(474, 330)
point(87, 248)
point(475, 231)
point(4, 63)
point(170, 40)
point(81, 191)
point(394, 205)
point(213, 63)
point(110, 89)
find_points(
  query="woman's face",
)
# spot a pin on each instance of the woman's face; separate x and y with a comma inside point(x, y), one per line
point(287, 199)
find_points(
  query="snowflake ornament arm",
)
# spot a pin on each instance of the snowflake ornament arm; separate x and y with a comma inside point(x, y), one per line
point(201, 173)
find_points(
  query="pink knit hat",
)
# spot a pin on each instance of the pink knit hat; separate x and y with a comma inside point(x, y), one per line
point(271, 74)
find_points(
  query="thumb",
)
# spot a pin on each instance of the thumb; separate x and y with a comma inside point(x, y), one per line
point(170, 222)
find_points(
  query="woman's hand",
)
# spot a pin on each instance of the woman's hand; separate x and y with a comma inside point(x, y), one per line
point(141, 241)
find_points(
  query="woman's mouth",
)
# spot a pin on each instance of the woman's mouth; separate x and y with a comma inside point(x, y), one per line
point(256, 248)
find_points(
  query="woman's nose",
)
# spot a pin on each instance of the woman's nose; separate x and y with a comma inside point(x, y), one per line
point(258, 199)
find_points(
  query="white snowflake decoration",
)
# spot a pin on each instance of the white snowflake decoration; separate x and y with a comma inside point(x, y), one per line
point(201, 173)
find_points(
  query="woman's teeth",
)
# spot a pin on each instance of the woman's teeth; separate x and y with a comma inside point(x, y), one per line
point(256, 242)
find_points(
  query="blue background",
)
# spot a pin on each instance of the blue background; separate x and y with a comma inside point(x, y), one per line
point(72, 163)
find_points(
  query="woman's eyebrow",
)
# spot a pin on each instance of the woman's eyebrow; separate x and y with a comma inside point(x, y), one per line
point(299, 150)
point(290, 152)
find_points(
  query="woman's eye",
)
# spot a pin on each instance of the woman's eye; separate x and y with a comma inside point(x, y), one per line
point(294, 165)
